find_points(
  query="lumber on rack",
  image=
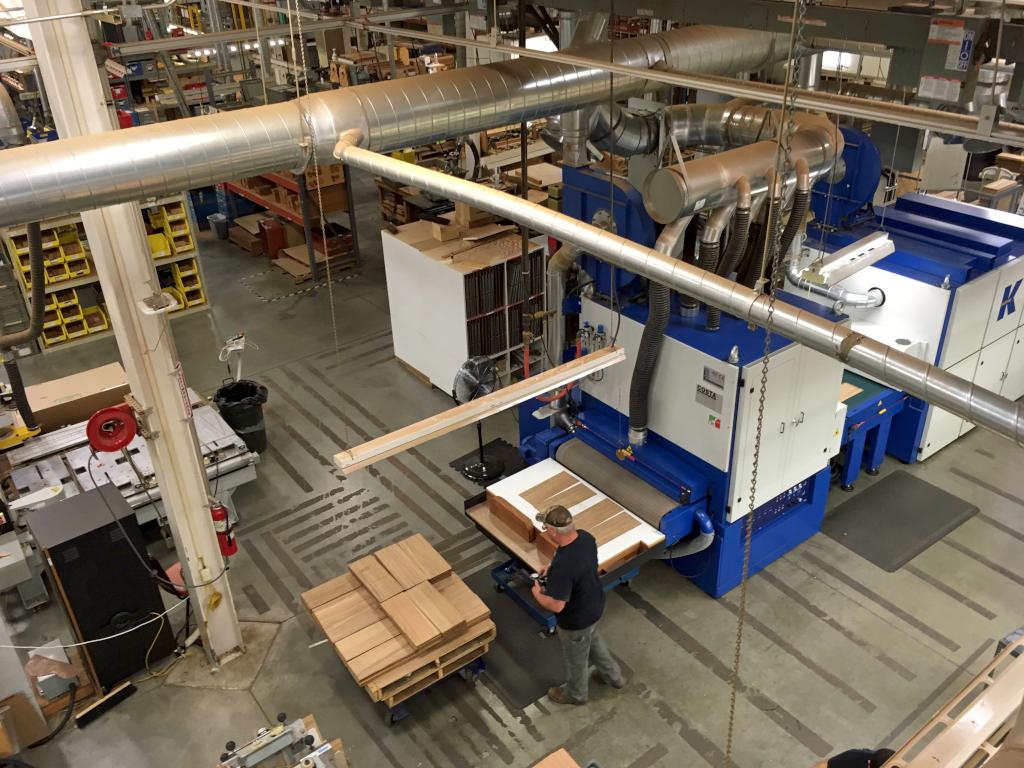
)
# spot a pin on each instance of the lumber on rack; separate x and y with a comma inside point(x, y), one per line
point(403, 439)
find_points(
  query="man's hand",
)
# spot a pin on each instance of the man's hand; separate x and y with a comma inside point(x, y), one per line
point(537, 591)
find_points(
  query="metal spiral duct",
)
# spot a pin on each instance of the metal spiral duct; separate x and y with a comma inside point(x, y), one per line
point(74, 174)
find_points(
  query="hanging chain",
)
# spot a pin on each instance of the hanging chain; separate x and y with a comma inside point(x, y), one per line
point(783, 166)
point(310, 132)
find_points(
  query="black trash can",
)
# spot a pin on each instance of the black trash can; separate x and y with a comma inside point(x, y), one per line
point(241, 405)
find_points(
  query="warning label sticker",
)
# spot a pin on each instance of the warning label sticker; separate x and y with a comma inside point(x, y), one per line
point(958, 57)
point(939, 89)
point(946, 31)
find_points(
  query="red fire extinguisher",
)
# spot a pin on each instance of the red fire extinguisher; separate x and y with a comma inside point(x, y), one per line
point(222, 525)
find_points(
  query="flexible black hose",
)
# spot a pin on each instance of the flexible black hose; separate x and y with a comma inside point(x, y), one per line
point(28, 417)
point(72, 690)
point(709, 255)
point(801, 199)
point(736, 248)
point(658, 308)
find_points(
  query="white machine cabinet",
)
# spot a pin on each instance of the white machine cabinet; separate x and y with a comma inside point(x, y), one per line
point(801, 426)
point(803, 419)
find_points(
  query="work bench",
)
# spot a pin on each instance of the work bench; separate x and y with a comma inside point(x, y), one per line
point(870, 408)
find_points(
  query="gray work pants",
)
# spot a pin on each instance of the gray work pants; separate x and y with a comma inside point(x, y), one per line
point(579, 648)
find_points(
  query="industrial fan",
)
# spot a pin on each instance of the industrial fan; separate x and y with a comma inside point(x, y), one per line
point(475, 378)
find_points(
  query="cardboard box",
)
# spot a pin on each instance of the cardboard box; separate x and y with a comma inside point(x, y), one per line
point(22, 724)
point(75, 398)
point(245, 240)
point(468, 216)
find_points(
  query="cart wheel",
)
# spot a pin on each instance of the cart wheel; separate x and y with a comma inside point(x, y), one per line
point(389, 718)
point(551, 630)
point(872, 472)
point(468, 675)
point(499, 587)
point(847, 488)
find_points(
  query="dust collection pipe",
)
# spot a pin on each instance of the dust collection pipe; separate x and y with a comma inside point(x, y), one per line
point(711, 252)
point(737, 245)
point(895, 368)
point(710, 181)
point(74, 174)
point(659, 304)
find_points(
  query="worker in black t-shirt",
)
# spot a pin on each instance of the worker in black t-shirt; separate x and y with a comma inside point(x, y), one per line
point(571, 590)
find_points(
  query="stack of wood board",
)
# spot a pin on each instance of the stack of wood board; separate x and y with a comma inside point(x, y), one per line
point(513, 504)
point(400, 620)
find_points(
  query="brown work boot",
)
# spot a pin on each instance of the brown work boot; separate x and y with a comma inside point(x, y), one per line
point(559, 696)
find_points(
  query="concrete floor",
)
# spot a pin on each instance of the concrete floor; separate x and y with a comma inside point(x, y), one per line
point(838, 653)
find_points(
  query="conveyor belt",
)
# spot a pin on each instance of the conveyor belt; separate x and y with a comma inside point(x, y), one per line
point(647, 503)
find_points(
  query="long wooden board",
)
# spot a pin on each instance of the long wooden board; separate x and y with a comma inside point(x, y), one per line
point(329, 590)
point(366, 639)
point(595, 514)
point(475, 410)
point(348, 614)
point(553, 486)
point(571, 497)
point(437, 608)
point(466, 602)
point(426, 557)
point(405, 570)
point(614, 527)
point(417, 628)
point(375, 577)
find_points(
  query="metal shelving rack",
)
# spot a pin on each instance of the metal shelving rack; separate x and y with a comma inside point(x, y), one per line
point(14, 255)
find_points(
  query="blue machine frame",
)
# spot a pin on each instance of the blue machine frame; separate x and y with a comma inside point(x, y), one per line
point(700, 489)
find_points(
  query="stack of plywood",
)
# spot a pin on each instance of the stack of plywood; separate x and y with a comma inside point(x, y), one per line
point(400, 620)
point(513, 504)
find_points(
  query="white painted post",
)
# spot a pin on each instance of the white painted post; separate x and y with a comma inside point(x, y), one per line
point(120, 252)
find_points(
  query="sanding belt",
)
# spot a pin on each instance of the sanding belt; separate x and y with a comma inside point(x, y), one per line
point(614, 481)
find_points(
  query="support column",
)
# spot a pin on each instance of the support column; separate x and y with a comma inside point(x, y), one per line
point(120, 252)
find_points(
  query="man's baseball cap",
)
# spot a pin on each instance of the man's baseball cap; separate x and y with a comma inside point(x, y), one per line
point(555, 517)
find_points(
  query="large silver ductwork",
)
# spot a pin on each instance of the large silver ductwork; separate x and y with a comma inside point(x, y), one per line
point(708, 181)
point(75, 174)
point(898, 369)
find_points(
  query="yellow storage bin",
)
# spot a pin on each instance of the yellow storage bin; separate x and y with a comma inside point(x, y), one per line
point(73, 250)
point(185, 268)
point(75, 329)
point(51, 318)
point(71, 313)
point(51, 301)
point(186, 282)
point(18, 244)
point(56, 273)
point(95, 319)
point(194, 297)
point(159, 248)
point(79, 268)
point(66, 297)
point(54, 335)
point(174, 211)
point(177, 295)
point(52, 256)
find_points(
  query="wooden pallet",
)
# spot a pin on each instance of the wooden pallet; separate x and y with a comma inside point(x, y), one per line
point(400, 620)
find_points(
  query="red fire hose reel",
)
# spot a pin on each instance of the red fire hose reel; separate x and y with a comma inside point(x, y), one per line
point(112, 429)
